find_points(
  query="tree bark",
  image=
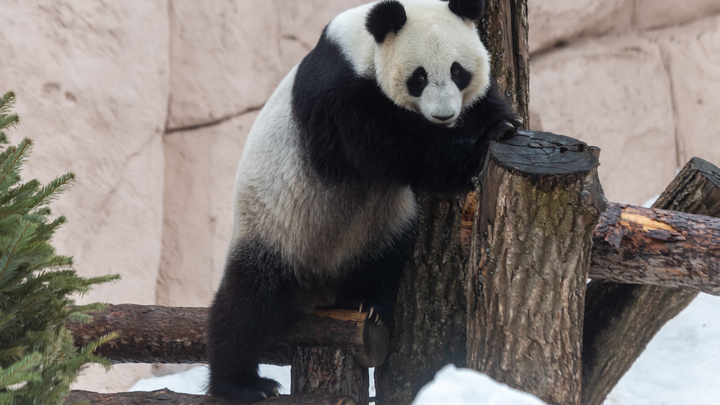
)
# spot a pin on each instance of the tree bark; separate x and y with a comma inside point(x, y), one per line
point(167, 397)
point(541, 200)
point(156, 334)
point(430, 311)
point(636, 245)
point(621, 319)
point(329, 370)
point(430, 314)
point(504, 31)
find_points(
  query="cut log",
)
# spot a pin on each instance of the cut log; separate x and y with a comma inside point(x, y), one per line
point(167, 397)
point(621, 319)
point(541, 200)
point(156, 334)
point(636, 245)
point(329, 370)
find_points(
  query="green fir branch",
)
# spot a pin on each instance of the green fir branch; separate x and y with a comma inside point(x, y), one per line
point(38, 359)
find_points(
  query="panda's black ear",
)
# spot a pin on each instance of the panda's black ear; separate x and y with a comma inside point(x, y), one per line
point(468, 9)
point(385, 17)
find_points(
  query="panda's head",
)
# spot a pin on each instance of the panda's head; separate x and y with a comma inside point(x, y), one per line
point(428, 55)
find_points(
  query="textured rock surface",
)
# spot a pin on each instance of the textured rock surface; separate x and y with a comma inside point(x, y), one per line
point(692, 56)
point(225, 58)
point(92, 85)
point(200, 168)
point(554, 21)
point(613, 94)
point(661, 13)
point(228, 56)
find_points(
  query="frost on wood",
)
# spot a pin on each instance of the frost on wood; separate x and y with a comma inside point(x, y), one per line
point(621, 319)
point(531, 247)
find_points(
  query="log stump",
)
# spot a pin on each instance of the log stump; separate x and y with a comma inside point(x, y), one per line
point(541, 200)
point(329, 371)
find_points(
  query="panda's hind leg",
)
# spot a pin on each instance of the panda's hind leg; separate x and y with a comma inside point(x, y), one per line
point(371, 285)
point(255, 302)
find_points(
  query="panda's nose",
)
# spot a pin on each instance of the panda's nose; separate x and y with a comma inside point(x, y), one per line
point(443, 118)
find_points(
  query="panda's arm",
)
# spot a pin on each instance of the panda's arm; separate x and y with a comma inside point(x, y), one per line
point(351, 130)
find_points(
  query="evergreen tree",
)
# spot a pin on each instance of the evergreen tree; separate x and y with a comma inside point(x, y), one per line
point(38, 360)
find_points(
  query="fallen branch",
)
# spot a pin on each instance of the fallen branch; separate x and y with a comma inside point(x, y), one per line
point(167, 397)
point(157, 334)
point(635, 245)
point(621, 319)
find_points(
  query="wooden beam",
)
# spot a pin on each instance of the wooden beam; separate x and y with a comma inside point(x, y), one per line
point(157, 334)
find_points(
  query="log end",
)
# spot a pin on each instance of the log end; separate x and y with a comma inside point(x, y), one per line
point(543, 153)
point(371, 342)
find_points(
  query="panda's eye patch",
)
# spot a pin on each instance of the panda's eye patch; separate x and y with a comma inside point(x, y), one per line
point(460, 76)
point(417, 82)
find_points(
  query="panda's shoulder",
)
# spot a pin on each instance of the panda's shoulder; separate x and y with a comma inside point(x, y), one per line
point(347, 31)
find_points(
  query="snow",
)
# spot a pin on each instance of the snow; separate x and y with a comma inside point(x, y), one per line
point(461, 386)
point(681, 366)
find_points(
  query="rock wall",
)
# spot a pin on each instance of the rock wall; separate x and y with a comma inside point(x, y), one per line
point(150, 102)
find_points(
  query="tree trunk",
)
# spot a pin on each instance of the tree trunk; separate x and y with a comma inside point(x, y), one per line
point(329, 370)
point(430, 311)
point(430, 314)
point(622, 318)
point(541, 200)
point(167, 397)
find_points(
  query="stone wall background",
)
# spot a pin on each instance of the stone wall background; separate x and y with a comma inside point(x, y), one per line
point(150, 101)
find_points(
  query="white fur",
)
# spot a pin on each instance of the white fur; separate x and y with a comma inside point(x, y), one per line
point(280, 200)
point(433, 37)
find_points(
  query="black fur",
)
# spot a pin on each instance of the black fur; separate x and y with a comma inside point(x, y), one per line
point(468, 9)
point(353, 132)
point(260, 298)
point(385, 17)
point(417, 82)
point(254, 302)
point(460, 76)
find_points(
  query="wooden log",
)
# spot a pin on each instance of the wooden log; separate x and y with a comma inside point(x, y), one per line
point(621, 319)
point(636, 245)
point(167, 397)
point(329, 370)
point(157, 334)
point(541, 200)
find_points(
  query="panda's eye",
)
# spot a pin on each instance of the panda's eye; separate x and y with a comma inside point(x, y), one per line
point(417, 82)
point(460, 76)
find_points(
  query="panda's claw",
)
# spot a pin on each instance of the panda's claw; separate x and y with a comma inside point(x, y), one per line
point(371, 312)
point(377, 318)
point(361, 305)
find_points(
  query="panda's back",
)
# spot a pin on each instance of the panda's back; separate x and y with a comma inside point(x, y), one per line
point(316, 226)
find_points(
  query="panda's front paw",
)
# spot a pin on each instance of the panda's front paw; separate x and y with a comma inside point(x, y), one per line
point(507, 128)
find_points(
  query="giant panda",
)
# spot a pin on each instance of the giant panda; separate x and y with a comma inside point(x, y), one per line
point(396, 96)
